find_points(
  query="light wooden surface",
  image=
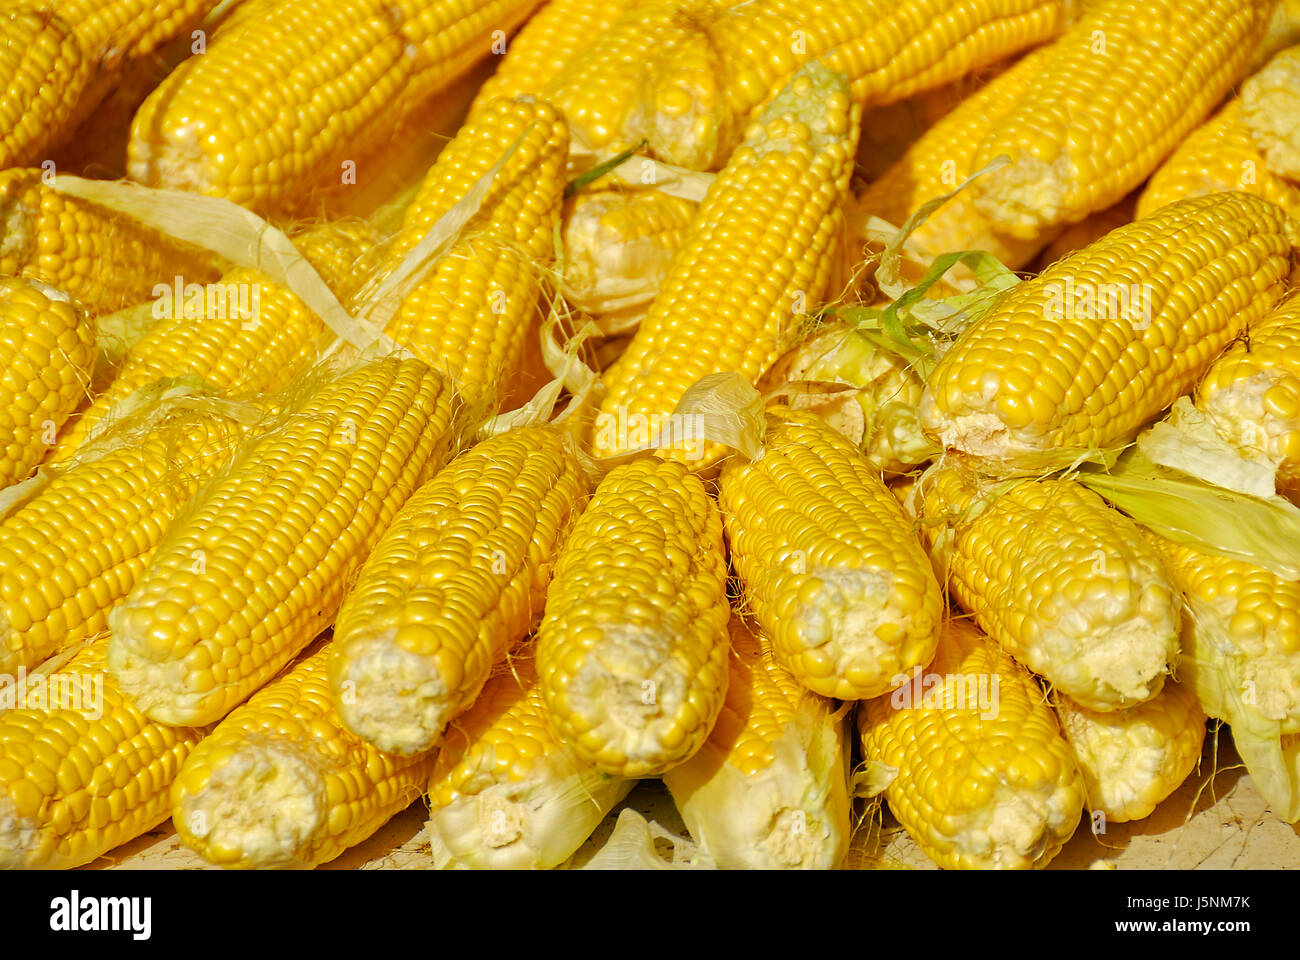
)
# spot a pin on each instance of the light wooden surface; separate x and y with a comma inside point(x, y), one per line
point(1216, 820)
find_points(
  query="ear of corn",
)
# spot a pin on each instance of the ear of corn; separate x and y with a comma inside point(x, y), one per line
point(1252, 393)
point(1060, 580)
point(78, 544)
point(828, 560)
point(632, 651)
point(1268, 105)
point(104, 260)
point(285, 96)
point(971, 759)
point(769, 788)
point(1219, 155)
point(243, 334)
point(506, 793)
point(47, 353)
point(116, 30)
point(282, 783)
point(458, 580)
point(261, 561)
point(1096, 345)
point(757, 257)
point(1133, 759)
point(553, 38)
point(472, 311)
point(82, 770)
point(1095, 122)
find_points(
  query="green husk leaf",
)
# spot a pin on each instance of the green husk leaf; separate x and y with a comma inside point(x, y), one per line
point(600, 169)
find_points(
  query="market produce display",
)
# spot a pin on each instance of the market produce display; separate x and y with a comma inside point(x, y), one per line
point(851, 418)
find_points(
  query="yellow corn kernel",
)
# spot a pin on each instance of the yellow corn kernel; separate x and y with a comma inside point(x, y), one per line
point(972, 761)
point(828, 561)
point(280, 536)
point(93, 771)
point(458, 581)
point(632, 650)
point(1121, 89)
point(1060, 580)
point(282, 783)
point(1099, 343)
point(1268, 104)
point(769, 788)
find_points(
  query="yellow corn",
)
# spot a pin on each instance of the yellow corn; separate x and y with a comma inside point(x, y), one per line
point(632, 650)
point(553, 38)
point(259, 565)
point(1099, 343)
point(506, 793)
point(472, 311)
point(756, 259)
point(972, 761)
point(282, 783)
point(769, 788)
point(1252, 393)
point(942, 158)
point(686, 77)
point(828, 560)
point(1133, 759)
point(104, 260)
point(1268, 105)
point(1089, 230)
point(77, 544)
point(299, 92)
point(115, 30)
point(458, 580)
point(1062, 581)
point(619, 246)
point(1121, 89)
point(244, 334)
point(1219, 155)
point(47, 353)
point(890, 130)
point(82, 770)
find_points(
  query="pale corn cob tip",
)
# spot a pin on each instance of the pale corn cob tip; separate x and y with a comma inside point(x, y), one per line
point(976, 768)
point(828, 560)
point(1061, 580)
point(1269, 104)
point(1097, 344)
point(281, 783)
point(506, 792)
point(459, 579)
point(1133, 759)
point(632, 650)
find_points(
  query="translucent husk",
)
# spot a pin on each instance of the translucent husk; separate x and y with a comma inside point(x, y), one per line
point(632, 847)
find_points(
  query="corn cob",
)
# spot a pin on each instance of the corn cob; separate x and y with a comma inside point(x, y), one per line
point(972, 761)
point(1219, 155)
point(828, 560)
point(1268, 104)
point(756, 258)
point(244, 334)
point(282, 783)
point(81, 769)
point(619, 246)
point(104, 260)
point(697, 72)
point(1059, 579)
point(1283, 31)
point(769, 788)
point(260, 563)
point(552, 39)
point(473, 309)
point(890, 130)
point(1252, 393)
point(79, 543)
point(283, 99)
point(506, 793)
point(458, 580)
point(112, 31)
point(1095, 123)
point(941, 159)
point(47, 353)
point(632, 650)
point(1133, 759)
point(1089, 230)
point(1099, 343)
